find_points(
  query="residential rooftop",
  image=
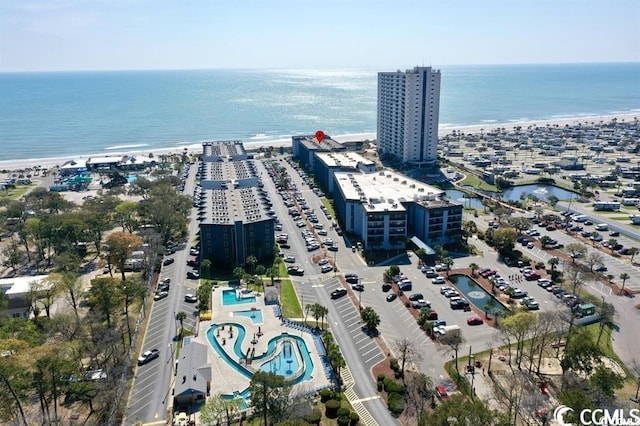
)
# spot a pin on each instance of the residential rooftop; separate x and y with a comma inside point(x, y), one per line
point(343, 159)
point(227, 206)
point(387, 190)
point(311, 143)
point(227, 171)
point(222, 149)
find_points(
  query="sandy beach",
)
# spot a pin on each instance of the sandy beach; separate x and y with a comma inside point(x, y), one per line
point(20, 164)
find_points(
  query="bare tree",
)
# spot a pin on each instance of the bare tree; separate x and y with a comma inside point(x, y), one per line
point(407, 352)
point(593, 259)
point(453, 341)
point(419, 394)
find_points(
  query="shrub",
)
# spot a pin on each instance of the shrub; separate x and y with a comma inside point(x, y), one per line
point(331, 408)
point(344, 420)
point(355, 418)
point(380, 386)
point(325, 394)
point(396, 403)
point(343, 412)
point(314, 417)
point(337, 396)
point(380, 377)
point(394, 364)
point(391, 386)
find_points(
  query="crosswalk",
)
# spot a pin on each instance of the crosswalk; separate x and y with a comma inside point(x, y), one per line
point(357, 404)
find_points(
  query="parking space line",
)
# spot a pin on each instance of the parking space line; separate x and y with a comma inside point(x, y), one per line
point(368, 360)
point(369, 351)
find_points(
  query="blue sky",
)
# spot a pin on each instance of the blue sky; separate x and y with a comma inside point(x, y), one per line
point(44, 35)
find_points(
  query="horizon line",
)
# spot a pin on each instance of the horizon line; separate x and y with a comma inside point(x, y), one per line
point(52, 71)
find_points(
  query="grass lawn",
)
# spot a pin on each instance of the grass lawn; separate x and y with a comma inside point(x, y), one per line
point(329, 205)
point(290, 305)
point(15, 193)
point(475, 182)
point(605, 341)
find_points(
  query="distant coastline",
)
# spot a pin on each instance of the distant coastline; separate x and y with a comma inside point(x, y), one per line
point(253, 145)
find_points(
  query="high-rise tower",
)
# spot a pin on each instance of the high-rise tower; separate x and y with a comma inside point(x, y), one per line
point(408, 113)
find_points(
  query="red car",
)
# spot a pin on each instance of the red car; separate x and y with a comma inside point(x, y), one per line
point(474, 321)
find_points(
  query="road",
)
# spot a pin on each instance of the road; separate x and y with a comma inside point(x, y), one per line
point(149, 399)
point(359, 350)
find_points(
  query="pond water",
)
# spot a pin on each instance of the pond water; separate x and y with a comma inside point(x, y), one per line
point(461, 198)
point(540, 191)
point(474, 293)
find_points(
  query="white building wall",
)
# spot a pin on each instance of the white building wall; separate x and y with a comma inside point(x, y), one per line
point(408, 114)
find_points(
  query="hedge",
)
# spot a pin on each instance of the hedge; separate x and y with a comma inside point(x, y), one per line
point(396, 403)
point(325, 395)
point(355, 418)
point(344, 420)
point(331, 408)
point(391, 385)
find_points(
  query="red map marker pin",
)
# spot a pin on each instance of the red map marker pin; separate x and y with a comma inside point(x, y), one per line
point(320, 136)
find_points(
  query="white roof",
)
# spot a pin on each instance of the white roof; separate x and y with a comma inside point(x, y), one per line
point(20, 285)
point(104, 160)
point(74, 164)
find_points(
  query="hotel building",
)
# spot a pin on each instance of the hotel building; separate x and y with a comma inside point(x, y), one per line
point(385, 208)
point(235, 214)
point(408, 114)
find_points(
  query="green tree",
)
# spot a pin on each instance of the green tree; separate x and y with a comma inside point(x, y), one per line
point(180, 317)
point(633, 251)
point(458, 410)
point(448, 261)
point(519, 326)
point(126, 214)
point(270, 396)
point(370, 318)
point(624, 277)
point(105, 297)
point(474, 267)
point(579, 401)
point(205, 265)
point(612, 242)
point(131, 291)
point(238, 273)
point(553, 200)
point(12, 255)
point(252, 261)
point(119, 247)
point(605, 381)
point(504, 240)
point(166, 211)
point(580, 354)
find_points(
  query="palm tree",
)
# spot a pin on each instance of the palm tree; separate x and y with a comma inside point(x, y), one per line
point(474, 267)
point(553, 262)
point(206, 267)
point(633, 251)
point(324, 311)
point(624, 277)
point(489, 306)
point(238, 272)
point(251, 261)
point(181, 316)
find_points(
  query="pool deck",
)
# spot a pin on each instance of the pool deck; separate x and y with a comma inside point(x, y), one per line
point(225, 378)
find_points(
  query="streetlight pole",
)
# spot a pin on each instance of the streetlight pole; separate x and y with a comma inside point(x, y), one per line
point(360, 293)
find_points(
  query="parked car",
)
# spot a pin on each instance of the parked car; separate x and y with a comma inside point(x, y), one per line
point(337, 293)
point(391, 297)
point(357, 287)
point(475, 320)
point(161, 295)
point(290, 259)
point(438, 280)
point(148, 356)
point(168, 261)
point(326, 268)
point(416, 296)
point(193, 275)
point(600, 268)
point(190, 298)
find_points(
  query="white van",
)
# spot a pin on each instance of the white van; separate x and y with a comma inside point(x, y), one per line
point(580, 218)
point(602, 227)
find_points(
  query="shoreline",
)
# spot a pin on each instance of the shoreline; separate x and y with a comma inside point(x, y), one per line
point(253, 144)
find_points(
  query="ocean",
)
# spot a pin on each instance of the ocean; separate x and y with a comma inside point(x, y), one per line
point(64, 114)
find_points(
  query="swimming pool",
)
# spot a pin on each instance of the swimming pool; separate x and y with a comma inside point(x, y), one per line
point(230, 298)
point(286, 363)
point(255, 315)
point(305, 368)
